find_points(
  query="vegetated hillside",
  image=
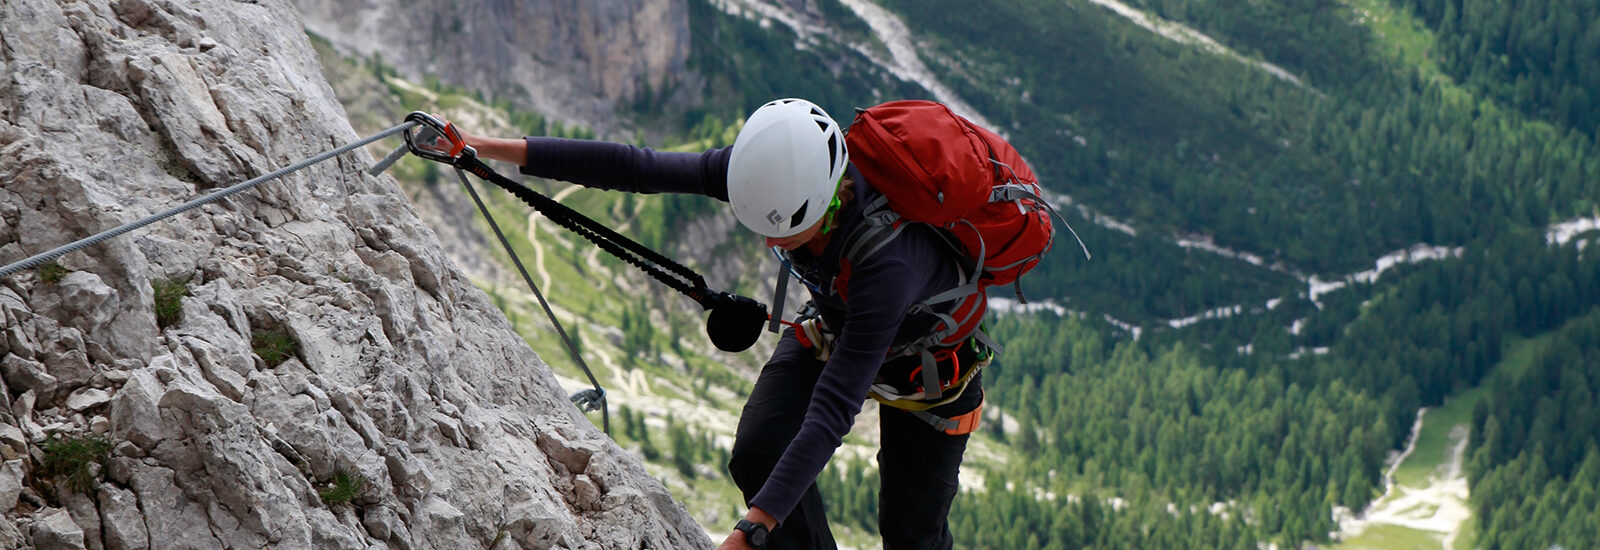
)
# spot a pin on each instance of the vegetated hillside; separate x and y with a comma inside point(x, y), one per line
point(1535, 455)
point(1543, 58)
point(1250, 425)
point(673, 398)
point(747, 62)
point(1374, 154)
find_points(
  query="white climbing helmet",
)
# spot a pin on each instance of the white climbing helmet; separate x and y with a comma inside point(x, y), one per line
point(785, 167)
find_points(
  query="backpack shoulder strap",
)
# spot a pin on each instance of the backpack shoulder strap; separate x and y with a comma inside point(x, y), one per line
point(879, 225)
point(779, 291)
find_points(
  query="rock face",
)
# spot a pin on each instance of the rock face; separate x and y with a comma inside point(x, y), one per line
point(575, 60)
point(403, 375)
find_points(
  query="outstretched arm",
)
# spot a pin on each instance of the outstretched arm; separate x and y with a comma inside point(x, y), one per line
point(610, 166)
point(514, 151)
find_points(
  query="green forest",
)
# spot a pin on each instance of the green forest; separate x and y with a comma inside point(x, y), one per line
point(1237, 431)
point(1538, 56)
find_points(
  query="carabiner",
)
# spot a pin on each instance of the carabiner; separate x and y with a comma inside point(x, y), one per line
point(447, 131)
point(592, 399)
point(939, 357)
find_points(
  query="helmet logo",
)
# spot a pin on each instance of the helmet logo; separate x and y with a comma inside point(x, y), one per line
point(774, 217)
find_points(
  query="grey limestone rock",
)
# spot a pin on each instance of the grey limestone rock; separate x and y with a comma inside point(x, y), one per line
point(55, 530)
point(121, 522)
point(578, 60)
point(10, 484)
point(404, 374)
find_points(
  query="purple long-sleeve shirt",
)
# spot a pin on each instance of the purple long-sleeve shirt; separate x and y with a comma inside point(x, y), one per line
point(908, 270)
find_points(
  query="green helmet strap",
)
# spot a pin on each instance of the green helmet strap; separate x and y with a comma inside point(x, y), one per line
point(833, 207)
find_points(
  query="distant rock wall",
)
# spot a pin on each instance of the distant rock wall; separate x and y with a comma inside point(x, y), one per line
point(405, 374)
point(576, 60)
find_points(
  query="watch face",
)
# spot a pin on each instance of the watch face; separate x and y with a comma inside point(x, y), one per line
point(754, 533)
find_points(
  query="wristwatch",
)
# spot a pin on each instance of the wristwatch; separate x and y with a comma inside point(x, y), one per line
point(754, 533)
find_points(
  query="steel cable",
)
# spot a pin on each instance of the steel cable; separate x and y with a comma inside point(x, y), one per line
point(103, 236)
point(589, 399)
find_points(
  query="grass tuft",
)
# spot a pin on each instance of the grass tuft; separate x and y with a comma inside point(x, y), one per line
point(274, 346)
point(169, 300)
point(69, 459)
point(344, 487)
point(51, 272)
point(173, 167)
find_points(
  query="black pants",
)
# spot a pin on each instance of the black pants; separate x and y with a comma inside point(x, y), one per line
point(917, 464)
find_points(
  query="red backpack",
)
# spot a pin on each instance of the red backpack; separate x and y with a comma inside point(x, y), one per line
point(934, 167)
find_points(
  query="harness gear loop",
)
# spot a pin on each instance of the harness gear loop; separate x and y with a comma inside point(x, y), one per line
point(944, 355)
point(919, 398)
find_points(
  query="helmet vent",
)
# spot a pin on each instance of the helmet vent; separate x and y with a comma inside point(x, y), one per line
point(799, 214)
point(833, 149)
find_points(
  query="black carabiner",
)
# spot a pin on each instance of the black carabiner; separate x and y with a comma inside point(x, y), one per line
point(446, 130)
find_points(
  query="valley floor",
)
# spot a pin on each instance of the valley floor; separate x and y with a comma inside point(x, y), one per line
point(1430, 512)
point(1425, 504)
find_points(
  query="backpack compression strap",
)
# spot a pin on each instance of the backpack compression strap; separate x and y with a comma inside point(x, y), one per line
point(1016, 191)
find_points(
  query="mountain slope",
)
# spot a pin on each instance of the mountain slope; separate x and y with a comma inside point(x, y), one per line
point(575, 60)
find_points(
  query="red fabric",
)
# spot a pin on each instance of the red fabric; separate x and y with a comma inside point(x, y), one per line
point(971, 308)
point(914, 151)
point(841, 283)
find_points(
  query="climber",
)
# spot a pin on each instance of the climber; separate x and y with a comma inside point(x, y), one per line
point(788, 178)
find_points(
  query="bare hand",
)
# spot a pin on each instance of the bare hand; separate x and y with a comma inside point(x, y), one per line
point(737, 541)
point(734, 541)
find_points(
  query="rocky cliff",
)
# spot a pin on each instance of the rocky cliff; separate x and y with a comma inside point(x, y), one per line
point(401, 387)
point(575, 60)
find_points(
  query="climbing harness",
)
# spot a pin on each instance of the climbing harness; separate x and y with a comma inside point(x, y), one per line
point(901, 381)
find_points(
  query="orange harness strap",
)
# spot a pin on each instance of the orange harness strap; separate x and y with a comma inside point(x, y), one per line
point(959, 425)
